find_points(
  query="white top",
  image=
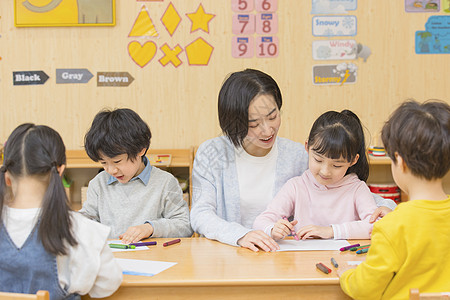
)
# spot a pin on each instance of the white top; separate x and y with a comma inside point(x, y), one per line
point(89, 267)
point(255, 190)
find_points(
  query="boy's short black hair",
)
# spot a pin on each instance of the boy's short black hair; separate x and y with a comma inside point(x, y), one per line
point(419, 133)
point(116, 132)
point(238, 90)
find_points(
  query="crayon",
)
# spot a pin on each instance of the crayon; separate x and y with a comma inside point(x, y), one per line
point(323, 268)
point(292, 231)
point(365, 250)
point(360, 247)
point(349, 247)
point(171, 242)
point(334, 263)
point(143, 244)
point(122, 246)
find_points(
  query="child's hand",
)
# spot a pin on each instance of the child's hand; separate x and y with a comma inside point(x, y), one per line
point(258, 238)
point(282, 228)
point(313, 231)
point(379, 213)
point(136, 233)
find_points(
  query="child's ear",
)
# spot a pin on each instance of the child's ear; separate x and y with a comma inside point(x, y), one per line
point(306, 146)
point(401, 162)
point(7, 179)
point(61, 169)
point(355, 160)
point(140, 154)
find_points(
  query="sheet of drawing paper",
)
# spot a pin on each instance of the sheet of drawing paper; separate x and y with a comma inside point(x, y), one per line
point(311, 245)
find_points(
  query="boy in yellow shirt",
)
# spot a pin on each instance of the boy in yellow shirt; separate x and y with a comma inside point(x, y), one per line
point(410, 246)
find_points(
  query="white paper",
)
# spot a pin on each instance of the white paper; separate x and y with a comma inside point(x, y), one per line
point(311, 245)
point(140, 248)
point(354, 262)
point(143, 267)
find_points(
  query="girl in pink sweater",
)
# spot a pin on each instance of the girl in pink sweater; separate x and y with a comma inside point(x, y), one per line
point(331, 198)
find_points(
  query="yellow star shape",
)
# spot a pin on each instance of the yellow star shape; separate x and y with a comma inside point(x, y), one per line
point(200, 19)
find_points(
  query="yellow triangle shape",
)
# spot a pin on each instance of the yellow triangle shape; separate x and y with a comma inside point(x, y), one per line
point(143, 26)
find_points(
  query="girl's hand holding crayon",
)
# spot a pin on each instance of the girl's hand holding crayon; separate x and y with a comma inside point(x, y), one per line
point(282, 228)
point(313, 231)
point(136, 233)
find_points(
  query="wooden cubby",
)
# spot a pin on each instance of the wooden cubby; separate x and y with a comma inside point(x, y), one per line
point(81, 169)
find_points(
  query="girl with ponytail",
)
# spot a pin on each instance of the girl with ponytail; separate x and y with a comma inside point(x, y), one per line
point(46, 246)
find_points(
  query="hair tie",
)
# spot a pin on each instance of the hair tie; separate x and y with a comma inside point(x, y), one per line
point(54, 165)
point(3, 169)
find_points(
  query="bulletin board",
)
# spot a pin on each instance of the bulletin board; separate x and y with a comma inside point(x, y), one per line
point(167, 60)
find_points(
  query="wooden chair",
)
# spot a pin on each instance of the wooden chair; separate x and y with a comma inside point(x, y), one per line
point(40, 295)
point(414, 294)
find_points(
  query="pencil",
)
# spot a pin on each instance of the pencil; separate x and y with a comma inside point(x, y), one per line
point(292, 231)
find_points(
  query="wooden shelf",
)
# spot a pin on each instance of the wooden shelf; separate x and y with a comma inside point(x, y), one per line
point(379, 160)
point(82, 168)
point(78, 159)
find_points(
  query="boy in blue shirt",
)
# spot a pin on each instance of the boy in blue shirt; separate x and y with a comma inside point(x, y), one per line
point(135, 199)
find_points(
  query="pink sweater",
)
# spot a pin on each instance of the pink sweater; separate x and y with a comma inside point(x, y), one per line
point(346, 206)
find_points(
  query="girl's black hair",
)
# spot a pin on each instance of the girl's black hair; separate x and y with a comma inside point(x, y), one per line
point(238, 90)
point(340, 134)
point(38, 151)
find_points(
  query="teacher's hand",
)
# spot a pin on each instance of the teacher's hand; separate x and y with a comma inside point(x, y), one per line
point(258, 238)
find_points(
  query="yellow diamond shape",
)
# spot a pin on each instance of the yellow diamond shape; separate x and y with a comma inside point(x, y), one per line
point(199, 52)
point(171, 19)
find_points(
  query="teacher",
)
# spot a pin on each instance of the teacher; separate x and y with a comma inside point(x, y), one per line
point(236, 175)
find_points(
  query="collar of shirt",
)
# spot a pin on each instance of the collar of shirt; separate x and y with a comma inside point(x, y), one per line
point(144, 176)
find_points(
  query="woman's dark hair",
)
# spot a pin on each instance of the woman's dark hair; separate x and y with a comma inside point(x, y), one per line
point(116, 132)
point(38, 151)
point(420, 134)
point(340, 134)
point(238, 90)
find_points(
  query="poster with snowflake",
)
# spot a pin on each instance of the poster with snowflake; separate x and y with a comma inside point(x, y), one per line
point(334, 26)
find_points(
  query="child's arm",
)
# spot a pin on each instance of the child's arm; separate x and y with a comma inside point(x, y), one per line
point(175, 213)
point(271, 220)
point(360, 228)
point(90, 206)
point(379, 268)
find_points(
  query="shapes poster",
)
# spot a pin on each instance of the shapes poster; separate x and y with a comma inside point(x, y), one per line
point(33, 13)
point(436, 37)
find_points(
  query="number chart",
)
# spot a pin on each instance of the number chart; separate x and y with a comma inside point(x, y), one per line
point(254, 27)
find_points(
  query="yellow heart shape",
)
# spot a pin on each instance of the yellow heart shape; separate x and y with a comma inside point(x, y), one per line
point(142, 54)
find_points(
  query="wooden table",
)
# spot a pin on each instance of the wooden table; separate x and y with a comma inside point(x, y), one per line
point(208, 269)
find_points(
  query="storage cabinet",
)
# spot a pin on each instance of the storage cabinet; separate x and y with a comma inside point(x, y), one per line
point(81, 169)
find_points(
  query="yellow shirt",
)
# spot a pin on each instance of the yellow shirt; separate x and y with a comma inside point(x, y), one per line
point(410, 248)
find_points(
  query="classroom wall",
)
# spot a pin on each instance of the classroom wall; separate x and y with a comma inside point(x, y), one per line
point(180, 104)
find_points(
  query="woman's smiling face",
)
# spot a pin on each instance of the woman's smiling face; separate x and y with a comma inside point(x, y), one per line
point(263, 123)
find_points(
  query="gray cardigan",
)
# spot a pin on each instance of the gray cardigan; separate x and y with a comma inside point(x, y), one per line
point(215, 211)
